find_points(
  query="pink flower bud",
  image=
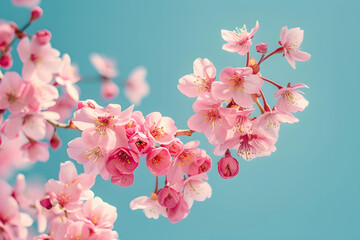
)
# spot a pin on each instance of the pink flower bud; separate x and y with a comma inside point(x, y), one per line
point(109, 90)
point(46, 203)
point(36, 13)
point(261, 48)
point(168, 197)
point(131, 128)
point(6, 61)
point(123, 180)
point(158, 161)
point(43, 37)
point(55, 142)
point(140, 143)
point(228, 166)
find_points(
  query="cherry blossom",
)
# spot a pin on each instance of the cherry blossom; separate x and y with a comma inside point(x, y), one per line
point(136, 86)
point(105, 66)
point(291, 99)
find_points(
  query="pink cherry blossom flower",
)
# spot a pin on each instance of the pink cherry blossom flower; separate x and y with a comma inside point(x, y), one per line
point(168, 197)
point(239, 84)
point(211, 119)
point(136, 86)
point(40, 61)
point(6, 35)
point(160, 129)
point(123, 159)
point(270, 121)
point(15, 93)
point(140, 143)
point(92, 157)
point(151, 206)
point(123, 180)
point(105, 66)
point(240, 40)
point(68, 175)
point(199, 83)
point(179, 212)
point(228, 166)
point(98, 214)
point(25, 3)
point(36, 151)
point(175, 147)
point(67, 77)
point(109, 90)
point(158, 161)
point(11, 155)
point(201, 164)
point(290, 40)
point(196, 189)
point(99, 125)
point(64, 106)
point(291, 100)
point(76, 230)
point(117, 175)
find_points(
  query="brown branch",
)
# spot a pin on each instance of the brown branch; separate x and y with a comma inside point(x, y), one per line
point(186, 132)
point(56, 124)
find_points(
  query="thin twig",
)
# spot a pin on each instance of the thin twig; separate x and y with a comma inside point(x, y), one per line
point(187, 132)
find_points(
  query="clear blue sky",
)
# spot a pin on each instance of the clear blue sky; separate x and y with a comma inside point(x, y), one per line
point(308, 189)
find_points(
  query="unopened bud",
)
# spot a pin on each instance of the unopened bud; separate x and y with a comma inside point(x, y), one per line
point(55, 141)
point(43, 37)
point(261, 48)
point(36, 13)
point(228, 166)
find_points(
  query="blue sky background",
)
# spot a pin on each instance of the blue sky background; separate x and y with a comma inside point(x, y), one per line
point(308, 189)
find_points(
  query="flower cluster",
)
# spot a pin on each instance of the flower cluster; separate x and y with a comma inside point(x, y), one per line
point(224, 109)
point(33, 98)
point(67, 209)
point(113, 140)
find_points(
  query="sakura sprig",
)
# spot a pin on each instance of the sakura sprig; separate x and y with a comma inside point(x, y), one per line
point(112, 142)
point(224, 109)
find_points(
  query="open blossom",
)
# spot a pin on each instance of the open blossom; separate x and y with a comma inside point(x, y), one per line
point(179, 212)
point(270, 121)
point(99, 125)
point(125, 160)
point(198, 83)
point(105, 66)
point(290, 40)
point(291, 100)
point(67, 77)
point(196, 189)
point(92, 157)
point(64, 106)
point(239, 84)
point(158, 161)
point(109, 90)
point(136, 86)
point(151, 206)
point(36, 151)
point(15, 93)
point(240, 40)
point(40, 61)
point(43, 36)
point(211, 119)
point(140, 143)
point(160, 129)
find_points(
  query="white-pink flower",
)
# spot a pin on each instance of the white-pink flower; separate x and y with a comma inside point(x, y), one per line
point(136, 86)
point(105, 66)
point(291, 100)
point(238, 84)
point(240, 40)
point(160, 129)
point(290, 40)
point(198, 83)
point(151, 206)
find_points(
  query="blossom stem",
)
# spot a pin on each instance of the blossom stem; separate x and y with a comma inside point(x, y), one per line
point(272, 82)
point(247, 58)
point(259, 105)
point(156, 185)
point(56, 124)
point(15, 37)
point(186, 132)
point(266, 105)
point(279, 50)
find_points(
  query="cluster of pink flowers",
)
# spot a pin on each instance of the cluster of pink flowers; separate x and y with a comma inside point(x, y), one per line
point(136, 86)
point(224, 109)
point(33, 98)
point(66, 210)
point(113, 140)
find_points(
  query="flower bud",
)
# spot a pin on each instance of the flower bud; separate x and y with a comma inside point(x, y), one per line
point(43, 37)
point(168, 197)
point(109, 90)
point(253, 64)
point(55, 141)
point(36, 13)
point(261, 48)
point(228, 166)
point(46, 203)
point(6, 61)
